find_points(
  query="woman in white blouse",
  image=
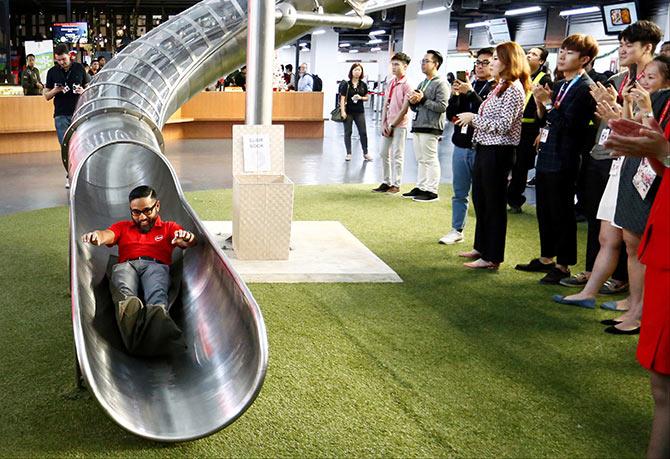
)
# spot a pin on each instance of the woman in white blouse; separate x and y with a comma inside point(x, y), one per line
point(497, 133)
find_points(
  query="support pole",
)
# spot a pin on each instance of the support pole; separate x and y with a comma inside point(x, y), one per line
point(260, 59)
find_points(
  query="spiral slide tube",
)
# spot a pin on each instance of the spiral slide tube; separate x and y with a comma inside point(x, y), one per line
point(114, 145)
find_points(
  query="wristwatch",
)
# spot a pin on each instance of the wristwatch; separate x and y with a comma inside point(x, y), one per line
point(548, 106)
point(648, 115)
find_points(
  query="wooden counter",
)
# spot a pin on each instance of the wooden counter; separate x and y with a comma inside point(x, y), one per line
point(26, 122)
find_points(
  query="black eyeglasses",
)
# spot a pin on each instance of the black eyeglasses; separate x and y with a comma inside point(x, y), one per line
point(146, 211)
point(426, 61)
point(478, 62)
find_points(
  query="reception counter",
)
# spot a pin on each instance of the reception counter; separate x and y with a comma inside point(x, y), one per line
point(26, 123)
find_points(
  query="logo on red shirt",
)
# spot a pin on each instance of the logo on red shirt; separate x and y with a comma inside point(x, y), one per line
point(158, 238)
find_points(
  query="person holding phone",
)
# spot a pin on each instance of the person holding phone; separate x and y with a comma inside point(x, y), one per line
point(465, 97)
point(353, 94)
point(65, 83)
point(497, 133)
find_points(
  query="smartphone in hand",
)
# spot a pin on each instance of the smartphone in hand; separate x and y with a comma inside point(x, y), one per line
point(461, 76)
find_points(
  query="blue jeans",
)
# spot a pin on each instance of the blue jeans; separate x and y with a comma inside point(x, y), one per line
point(462, 163)
point(62, 123)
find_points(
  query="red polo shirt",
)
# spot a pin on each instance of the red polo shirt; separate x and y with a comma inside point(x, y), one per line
point(157, 243)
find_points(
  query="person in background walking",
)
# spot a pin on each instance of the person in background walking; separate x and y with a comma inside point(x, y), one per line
point(352, 95)
point(305, 82)
point(30, 79)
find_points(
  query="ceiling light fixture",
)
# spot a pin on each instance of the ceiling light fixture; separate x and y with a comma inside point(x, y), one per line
point(377, 32)
point(585, 10)
point(527, 10)
point(353, 51)
point(474, 25)
point(374, 50)
point(375, 41)
point(319, 32)
point(437, 9)
point(345, 45)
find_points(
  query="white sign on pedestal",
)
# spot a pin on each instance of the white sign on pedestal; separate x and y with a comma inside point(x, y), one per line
point(256, 153)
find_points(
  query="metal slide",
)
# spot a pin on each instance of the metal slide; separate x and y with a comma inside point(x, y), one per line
point(114, 145)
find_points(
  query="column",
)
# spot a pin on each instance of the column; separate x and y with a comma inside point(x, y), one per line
point(423, 32)
point(323, 62)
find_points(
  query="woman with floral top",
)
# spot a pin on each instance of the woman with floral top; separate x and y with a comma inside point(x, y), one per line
point(497, 133)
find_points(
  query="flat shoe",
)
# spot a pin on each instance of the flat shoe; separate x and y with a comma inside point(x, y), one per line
point(611, 306)
point(587, 304)
point(611, 322)
point(473, 254)
point(615, 331)
point(481, 264)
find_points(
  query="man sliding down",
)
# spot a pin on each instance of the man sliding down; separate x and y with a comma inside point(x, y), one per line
point(145, 253)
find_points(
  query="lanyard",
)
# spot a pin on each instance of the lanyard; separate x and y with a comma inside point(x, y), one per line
point(662, 118)
point(423, 87)
point(564, 90)
point(624, 82)
point(490, 97)
point(484, 86)
point(529, 94)
point(393, 85)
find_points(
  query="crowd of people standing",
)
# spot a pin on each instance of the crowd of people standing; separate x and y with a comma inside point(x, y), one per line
point(600, 142)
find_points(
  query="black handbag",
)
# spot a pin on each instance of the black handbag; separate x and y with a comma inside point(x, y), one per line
point(336, 114)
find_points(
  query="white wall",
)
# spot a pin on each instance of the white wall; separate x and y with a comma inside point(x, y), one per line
point(422, 33)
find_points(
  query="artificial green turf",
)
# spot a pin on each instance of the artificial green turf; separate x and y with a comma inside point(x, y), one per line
point(450, 363)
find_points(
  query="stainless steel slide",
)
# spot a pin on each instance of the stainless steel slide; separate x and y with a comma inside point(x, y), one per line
point(114, 145)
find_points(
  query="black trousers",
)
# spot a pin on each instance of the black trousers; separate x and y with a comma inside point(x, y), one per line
point(489, 191)
point(555, 192)
point(359, 119)
point(592, 182)
point(524, 160)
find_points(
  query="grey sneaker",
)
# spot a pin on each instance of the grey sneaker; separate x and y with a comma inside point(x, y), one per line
point(612, 287)
point(578, 280)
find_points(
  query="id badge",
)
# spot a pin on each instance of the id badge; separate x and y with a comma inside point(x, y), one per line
point(644, 178)
point(464, 129)
point(604, 136)
point(544, 134)
point(615, 168)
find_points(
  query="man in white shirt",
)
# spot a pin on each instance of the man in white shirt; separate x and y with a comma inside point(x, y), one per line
point(306, 82)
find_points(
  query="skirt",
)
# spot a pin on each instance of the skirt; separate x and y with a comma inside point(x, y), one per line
point(607, 207)
point(653, 349)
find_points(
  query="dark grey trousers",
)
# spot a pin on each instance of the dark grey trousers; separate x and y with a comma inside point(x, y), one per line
point(154, 278)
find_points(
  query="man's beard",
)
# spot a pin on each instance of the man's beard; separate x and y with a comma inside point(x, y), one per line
point(145, 228)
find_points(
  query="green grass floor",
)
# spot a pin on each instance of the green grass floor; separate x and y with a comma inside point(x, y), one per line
point(450, 363)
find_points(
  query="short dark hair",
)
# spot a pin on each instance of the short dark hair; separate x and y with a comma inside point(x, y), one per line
point(402, 57)
point(101, 58)
point(663, 63)
point(485, 51)
point(665, 43)
point(438, 57)
point(289, 67)
point(585, 45)
point(351, 70)
point(142, 191)
point(61, 49)
point(29, 56)
point(646, 32)
point(543, 53)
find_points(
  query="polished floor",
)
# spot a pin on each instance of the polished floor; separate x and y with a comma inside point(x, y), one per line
point(36, 180)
